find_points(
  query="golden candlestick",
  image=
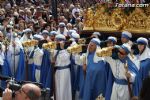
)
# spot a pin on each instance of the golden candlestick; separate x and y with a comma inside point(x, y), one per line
point(104, 52)
point(49, 45)
point(75, 49)
point(30, 43)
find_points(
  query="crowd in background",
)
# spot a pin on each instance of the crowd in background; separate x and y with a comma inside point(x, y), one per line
point(82, 76)
point(39, 17)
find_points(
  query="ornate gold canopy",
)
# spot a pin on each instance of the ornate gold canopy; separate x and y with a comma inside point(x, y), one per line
point(137, 21)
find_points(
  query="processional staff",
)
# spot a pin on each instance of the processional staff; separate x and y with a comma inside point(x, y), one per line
point(128, 80)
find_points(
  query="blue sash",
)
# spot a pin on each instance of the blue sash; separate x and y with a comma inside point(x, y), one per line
point(37, 67)
point(61, 68)
point(121, 81)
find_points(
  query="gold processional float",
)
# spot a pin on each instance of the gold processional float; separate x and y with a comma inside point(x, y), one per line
point(137, 21)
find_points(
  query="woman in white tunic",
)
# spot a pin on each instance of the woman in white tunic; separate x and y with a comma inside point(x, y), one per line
point(37, 58)
point(120, 86)
point(62, 74)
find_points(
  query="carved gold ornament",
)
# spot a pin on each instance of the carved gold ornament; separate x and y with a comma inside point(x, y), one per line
point(88, 19)
point(118, 18)
point(137, 21)
point(100, 19)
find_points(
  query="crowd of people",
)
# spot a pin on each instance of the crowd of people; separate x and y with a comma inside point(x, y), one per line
point(70, 76)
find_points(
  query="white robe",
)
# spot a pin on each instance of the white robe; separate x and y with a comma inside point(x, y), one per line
point(138, 58)
point(63, 77)
point(13, 55)
point(119, 92)
point(144, 55)
point(37, 60)
point(64, 33)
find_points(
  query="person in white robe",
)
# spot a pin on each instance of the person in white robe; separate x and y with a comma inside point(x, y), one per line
point(62, 74)
point(70, 32)
point(143, 58)
point(52, 35)
point(111, 41)
point(37, 58)
point(74, 37)
point(45, 35)
point(13, 52)
point(62, 29)
point(120, 88)
point(125, 38)
point(27, 36)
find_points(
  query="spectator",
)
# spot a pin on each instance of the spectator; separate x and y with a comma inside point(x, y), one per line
point(27, 92)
